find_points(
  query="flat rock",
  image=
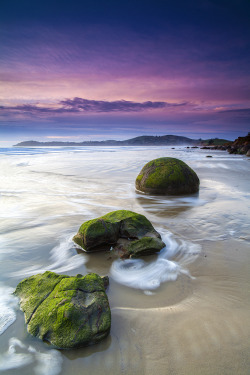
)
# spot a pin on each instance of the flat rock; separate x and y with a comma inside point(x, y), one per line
point(66, 311)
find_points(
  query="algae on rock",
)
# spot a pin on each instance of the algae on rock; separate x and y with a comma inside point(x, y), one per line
point(167, 176)
point(138, 248)
point(66, 311)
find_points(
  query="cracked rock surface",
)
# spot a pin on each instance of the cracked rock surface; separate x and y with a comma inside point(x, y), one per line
point(66, 311)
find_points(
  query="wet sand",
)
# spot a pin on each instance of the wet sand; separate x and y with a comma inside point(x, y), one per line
point(197, 322)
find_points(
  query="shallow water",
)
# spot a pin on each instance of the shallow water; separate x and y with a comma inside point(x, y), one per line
point(184, 311)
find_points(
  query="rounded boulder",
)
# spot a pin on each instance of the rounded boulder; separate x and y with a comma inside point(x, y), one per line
point(167, 176)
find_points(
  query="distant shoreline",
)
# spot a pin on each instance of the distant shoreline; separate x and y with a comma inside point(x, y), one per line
point(165, 140)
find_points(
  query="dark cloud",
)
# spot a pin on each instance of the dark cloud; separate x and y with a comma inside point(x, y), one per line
point(79, 105)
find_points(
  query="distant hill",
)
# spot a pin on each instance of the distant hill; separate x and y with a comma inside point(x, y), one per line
point(145, 140)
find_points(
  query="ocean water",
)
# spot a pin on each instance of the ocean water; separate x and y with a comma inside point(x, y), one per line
point(183, 311)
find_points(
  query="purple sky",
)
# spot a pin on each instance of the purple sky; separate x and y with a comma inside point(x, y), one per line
point(100, 70)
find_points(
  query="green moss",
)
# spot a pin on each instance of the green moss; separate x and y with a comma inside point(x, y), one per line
point(144, 246)
point(74, 313)
point(120, 215)
point(89, 283)
point(97, 232)
point(78, 239)
point(34, 290)
point(139, 177)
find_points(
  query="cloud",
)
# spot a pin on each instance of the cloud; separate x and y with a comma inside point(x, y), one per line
point(243, 111)
point(80, 105)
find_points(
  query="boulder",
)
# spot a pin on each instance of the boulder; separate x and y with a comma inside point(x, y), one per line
point(108, 230)
point(66, 311)
point(138, 248)
point(167, 176)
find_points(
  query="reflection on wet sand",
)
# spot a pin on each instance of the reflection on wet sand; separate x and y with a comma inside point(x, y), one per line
point(168, 206)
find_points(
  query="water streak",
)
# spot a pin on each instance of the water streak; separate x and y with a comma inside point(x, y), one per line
point(48, 362)
point(61, 260)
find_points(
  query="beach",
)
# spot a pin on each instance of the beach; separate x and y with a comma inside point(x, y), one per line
point(182, 311)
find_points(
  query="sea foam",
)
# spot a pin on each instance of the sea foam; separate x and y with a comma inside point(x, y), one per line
point(8, 305)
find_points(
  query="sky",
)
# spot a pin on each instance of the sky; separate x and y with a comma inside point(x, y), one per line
point(93, 69)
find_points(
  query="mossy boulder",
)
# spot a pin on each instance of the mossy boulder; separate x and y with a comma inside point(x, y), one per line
point(167, 176)
point(107, 230)
point(66, 311)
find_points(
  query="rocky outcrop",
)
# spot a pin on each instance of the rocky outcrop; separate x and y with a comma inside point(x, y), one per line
point(66, 311)
point(240, 146)
point(120, 229)
point(167, 176)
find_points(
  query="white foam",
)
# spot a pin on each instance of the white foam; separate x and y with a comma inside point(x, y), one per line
point(11, 359)
point(47, 363)
point(136, 273)
point(8, 305)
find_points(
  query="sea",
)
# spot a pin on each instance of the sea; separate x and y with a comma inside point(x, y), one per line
point(184, 311)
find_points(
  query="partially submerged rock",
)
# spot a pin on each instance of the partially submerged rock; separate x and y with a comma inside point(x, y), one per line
point(107, 230)
point(138, 248)
point(167, 176)
point(66, 311)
